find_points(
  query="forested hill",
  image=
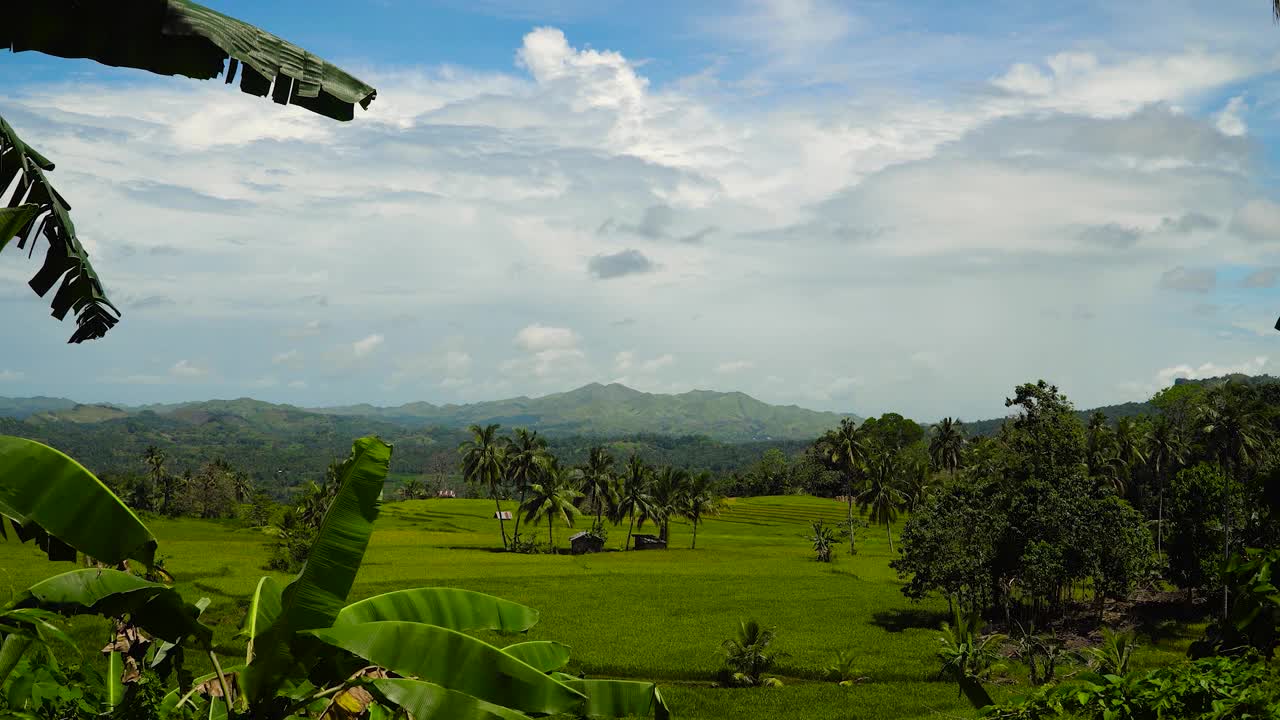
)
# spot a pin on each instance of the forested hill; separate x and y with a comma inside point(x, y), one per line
point(611, 410)
point(593, 410)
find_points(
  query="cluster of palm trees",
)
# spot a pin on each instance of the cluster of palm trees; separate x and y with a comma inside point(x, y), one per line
point(548, 491)
point(883, 480)
point(210, 492)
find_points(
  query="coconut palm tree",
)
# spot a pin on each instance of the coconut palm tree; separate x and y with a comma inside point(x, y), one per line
point(1166, 451)
point(598, 481)
point(412, 490)
point(947, 445)
point(747, 653)
point(844, 450)
point(700, 500)
point(882, 498)
point(1232, 428)
point(918, 485)
point(552, 497)
point(525, 453)
point(633, 495)
point(484, 465)
point(667, 490)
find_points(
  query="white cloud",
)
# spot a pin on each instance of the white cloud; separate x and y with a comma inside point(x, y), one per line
point(623, 361)
point(292, 358)
point(187, 370)
point(11, 375)
point(1229, 120)
point(1257, 220)
point(536, 338)
point(658, 363)
point(298, 385)
point(367, 345)
point(1165, 377)
point(308, 329)
point(734, 366)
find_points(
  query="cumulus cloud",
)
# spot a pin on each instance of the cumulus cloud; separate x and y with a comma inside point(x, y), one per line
point(537, 337)
point(1188, 223)
point(292, 358)
point(620, 264)
point(1258, 220)
point(1195, 280)
point(658, 363)
point(734, 366)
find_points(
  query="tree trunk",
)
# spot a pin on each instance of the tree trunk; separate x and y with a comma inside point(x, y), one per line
point(551, 537)
point(1226, 546)
point(595, 500)
point(502, 524)
point(888, 531)
point(516, 533)
point(849, 500)
point(1160, 521)
point(629, 529)
point(695, 536)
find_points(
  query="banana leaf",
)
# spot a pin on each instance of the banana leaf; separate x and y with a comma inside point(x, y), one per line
point(156, 608)
point(264, 608)
point(115, 685)
point(620, 698)
point(460, 610)
point(454, 661)
point(425, 701)
point(544, 655)
point(43, 488)
point(315, 597)
point(178, 37)
point(36, 209)
point(11, 651)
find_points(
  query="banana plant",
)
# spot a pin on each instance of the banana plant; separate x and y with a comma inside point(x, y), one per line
point(167, 37)
point(311, 653)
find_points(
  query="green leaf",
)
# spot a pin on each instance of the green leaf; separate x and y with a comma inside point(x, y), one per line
point(316, 596)
point(460, 610)
point(42, 487)
point(115, 686)
point(455, 661)
point(544, 655)
point(13, 220)
point(179, 37)
point(621, 698)
point(11, 651)
point(264, 608)
point(425, 701)
point(156, 608)
point(66, 262)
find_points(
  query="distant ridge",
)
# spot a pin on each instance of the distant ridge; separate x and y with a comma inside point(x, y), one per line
point(591, 410)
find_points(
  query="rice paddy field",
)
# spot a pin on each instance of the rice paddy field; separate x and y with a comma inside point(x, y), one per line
point(653, 615)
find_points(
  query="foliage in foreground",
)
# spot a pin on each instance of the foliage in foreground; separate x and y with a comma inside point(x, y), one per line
point(309, 653)
point(1216, 688)
point(747, 657)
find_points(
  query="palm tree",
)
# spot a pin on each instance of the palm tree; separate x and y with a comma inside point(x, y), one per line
point(412, 489)
point(947, 445)
point(1232, 429)
point(919, 486)
point(845, 451)
point(882, 498)
point(597, 481)
point(154, 458)
point(552, 497)
point(823, 537)
point(747, 654)
point(1166, 451)
point(484, 464)
point(667, 491)
point(1100, 447)
point(525, 454)
point(700, 500)
point(633, 495)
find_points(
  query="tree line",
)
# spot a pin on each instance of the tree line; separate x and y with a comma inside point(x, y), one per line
point(523, 468)
point(1052, 510)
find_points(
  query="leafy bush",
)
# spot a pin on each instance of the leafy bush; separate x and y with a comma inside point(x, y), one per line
point(842, 670)
point(1218, 688)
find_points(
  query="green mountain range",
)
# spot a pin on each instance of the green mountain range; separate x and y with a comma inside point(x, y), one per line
point(593, 410)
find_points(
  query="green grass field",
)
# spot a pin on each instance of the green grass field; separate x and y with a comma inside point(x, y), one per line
point(656, 615)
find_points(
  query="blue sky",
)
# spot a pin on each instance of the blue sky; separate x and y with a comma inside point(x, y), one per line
point(861, 206)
